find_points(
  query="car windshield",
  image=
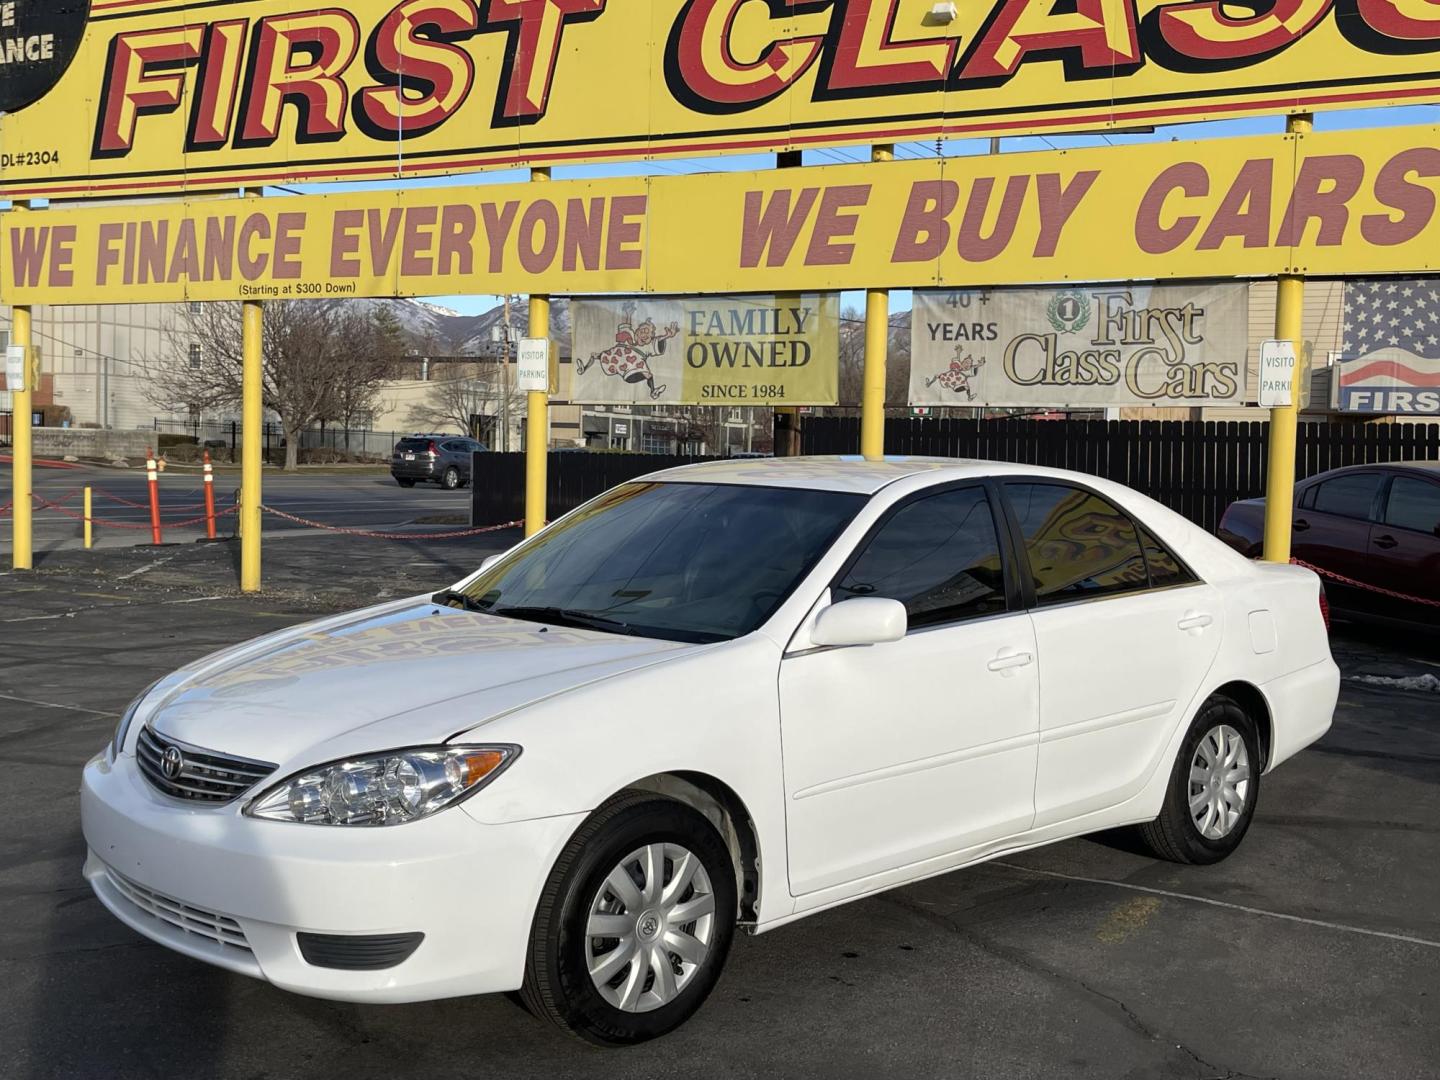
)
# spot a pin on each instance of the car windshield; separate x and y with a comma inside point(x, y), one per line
point(686, 562)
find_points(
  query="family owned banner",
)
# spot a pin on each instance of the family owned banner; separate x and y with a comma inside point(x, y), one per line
point(1112, 345)
point(717, 350)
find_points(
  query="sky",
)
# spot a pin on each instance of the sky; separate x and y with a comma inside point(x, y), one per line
point(1324, 121)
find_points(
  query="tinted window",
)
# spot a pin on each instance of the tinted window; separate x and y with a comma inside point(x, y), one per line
point(1413, 504)
point(938, 556)
point(1079, 546)
point(412, 445)
point(1165, 569)
point(688, 562)
point(1348, 496)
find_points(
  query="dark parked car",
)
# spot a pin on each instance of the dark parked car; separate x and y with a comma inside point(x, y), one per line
point(1375, 524)
point(442, 459)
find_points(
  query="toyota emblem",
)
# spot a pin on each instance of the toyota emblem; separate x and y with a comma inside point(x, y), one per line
point(171, 762)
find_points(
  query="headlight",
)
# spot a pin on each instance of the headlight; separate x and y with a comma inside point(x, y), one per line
point(123, 728)
point(386, 789)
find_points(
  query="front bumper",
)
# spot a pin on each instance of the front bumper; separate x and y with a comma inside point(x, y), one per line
point(227, 889)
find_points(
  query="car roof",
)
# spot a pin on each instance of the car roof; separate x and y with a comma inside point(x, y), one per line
point(845, 473)
point(1429, 468)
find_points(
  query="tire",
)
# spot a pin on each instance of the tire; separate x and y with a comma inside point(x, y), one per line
point(404, 483)
point(1177, 835)
point(451, 480)
point(558, 983)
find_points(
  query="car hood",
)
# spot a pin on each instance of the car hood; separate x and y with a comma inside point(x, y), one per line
point(412, 672)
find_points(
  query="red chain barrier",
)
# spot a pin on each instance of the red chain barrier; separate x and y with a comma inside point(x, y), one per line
point(48, 505)
point(1341, 579)
point(390, 536)
point(145, 505)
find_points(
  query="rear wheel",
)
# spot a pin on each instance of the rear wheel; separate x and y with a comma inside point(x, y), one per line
point(404, 482)
point(634, 924)
point(451, 480)
point(1213, 788)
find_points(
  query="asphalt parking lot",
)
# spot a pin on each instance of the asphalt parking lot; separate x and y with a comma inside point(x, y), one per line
point(352, 498)
point(1314, 952)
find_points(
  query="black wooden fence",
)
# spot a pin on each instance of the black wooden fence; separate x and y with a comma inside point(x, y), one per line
point(498, 480)
point(1196, 468)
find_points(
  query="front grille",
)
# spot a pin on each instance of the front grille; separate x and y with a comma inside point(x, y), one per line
point(202, 775)
point(221, 929)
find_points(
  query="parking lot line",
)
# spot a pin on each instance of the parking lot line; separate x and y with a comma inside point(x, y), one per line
point(57, 705)
point(1325, 924)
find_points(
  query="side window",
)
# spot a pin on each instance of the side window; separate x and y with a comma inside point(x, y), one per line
point(939, 556)
point(1165, 569)
point(1307, 500)
point(1079, 546)
point(1349, 496)
point(1414, 504)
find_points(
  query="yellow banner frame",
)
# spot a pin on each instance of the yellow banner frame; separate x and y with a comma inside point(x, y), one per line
point(165, 99)
point(1315, 204)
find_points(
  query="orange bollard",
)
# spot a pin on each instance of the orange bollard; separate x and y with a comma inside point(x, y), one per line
point(209, 498)
point(154, 478)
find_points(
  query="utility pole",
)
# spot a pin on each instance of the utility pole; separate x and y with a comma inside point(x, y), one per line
point(505, 379)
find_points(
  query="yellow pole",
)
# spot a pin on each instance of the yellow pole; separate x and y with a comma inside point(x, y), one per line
point(1280, 478)
point(252, 419)
point(537, 414)
point(877, 337)
point(23, 556)
point(89, 523)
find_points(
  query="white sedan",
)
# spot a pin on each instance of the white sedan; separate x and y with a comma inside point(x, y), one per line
point(726, 695)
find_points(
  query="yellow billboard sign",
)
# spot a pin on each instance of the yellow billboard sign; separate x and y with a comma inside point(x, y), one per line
point(1328, 204)
point(713, 350)
point(159, 97)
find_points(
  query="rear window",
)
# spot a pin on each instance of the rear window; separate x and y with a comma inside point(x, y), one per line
point(1414, 504)
point(412, 445)
point(1078, 546)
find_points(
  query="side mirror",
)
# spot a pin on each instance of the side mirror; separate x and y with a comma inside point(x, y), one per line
point(865, 620)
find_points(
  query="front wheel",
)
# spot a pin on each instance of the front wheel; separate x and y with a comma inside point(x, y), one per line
point(1213, 788)
point(634, 923)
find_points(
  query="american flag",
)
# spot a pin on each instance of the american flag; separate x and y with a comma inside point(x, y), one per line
point(1391, 346)
point(1400, 313)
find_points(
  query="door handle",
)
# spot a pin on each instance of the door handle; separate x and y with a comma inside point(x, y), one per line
point(1008, 660)
point(1195, 620)
point(1301, 524)
point(1386, 541)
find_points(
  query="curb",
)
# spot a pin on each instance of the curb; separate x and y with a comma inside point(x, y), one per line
point(43, 463)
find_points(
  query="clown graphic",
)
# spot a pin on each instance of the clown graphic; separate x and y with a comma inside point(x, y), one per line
point(635, 345)
point(956, 378)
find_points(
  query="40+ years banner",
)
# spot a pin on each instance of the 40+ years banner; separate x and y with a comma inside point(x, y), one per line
point(111, 97)
point(1089, 347)
point(715, 350)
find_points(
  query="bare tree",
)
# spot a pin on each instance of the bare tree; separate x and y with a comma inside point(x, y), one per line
point(320, 359)
point(852, 358)
point(460, 392)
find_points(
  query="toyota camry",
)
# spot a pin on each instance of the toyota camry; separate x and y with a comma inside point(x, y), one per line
point(721, 697)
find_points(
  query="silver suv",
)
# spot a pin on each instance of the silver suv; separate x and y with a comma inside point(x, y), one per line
point(442, 459)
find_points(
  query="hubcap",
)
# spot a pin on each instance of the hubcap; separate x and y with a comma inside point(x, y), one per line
point(1219, 782)
point(650, 927)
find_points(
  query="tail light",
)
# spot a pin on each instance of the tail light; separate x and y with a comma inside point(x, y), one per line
point(433, 451)
point(1324, 607)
